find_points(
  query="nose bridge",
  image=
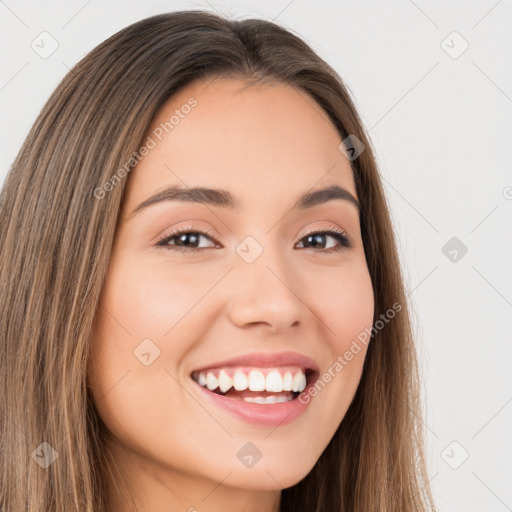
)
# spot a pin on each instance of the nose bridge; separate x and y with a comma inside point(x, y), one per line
point(263, 259)
point(263, 289)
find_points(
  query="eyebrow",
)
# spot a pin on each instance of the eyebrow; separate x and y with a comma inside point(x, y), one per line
point(223, 198)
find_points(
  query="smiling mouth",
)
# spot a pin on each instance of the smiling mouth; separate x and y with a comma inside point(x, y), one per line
point(256, 385)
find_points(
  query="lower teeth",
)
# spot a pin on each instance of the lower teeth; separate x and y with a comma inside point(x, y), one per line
point(268, 399)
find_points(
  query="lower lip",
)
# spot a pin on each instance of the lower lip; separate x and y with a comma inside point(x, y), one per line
point(276, 414)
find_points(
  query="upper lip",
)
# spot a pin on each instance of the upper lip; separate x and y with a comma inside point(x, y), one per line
point(265, 360)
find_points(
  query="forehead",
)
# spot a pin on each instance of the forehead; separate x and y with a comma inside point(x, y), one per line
point(258, 141)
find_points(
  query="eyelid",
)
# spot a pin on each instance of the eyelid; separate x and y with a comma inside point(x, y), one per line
point(333, 229)
point(210, 233)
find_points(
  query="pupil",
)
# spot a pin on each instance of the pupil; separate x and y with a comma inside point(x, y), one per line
point(315, 238)
point(183, 238)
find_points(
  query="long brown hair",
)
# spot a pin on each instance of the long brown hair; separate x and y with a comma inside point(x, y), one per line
point(55, 243)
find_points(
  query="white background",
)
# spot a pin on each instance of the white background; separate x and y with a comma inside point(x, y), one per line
point(442, 130)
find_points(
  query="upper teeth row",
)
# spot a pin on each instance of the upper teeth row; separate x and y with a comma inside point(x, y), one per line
point(254, 381)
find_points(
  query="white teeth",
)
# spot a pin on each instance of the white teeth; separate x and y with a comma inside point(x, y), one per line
point(211, 381)
point(274, 381)
point(267, 400)
point(303, 383)
point(225, 381)
point(240, 381)
point(256, 381)
point(287, 381)
point(299, 382)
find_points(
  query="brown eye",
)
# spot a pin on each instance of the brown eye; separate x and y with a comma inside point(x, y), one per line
point(183, 240)
point(317, 238)
point(188, 239)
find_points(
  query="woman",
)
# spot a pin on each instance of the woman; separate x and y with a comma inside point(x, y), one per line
point(202, 306)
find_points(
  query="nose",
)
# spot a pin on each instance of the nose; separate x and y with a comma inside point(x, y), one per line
point(266, 296)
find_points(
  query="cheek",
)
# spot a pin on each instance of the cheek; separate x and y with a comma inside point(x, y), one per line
point(345, 306)
point(132, 397)
point(143, 310)
point(149, 300)
point(344, 301)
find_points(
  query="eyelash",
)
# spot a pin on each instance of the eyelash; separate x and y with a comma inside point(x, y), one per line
point(344, 241)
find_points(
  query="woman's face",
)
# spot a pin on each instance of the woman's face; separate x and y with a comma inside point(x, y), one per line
point(255, 285)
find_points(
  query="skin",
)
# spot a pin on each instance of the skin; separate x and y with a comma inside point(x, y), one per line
point(266, 145)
